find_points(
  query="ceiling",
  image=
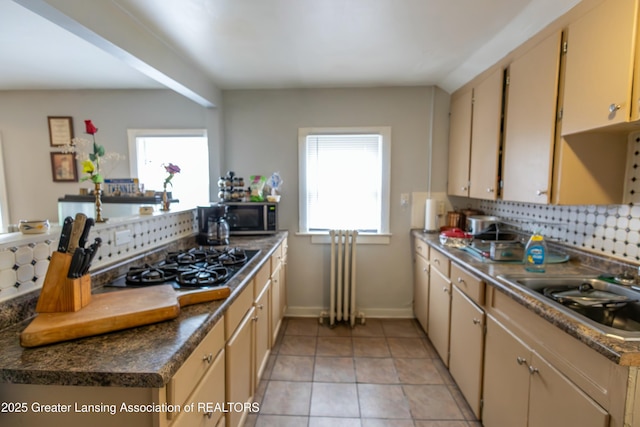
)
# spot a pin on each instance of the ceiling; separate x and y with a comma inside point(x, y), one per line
point(248, 44)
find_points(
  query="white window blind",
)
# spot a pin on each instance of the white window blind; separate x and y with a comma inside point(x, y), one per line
point(344, 181)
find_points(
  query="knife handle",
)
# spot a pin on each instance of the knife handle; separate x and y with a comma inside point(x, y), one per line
point(85, 232)
point(63, 242)
point(76, 232)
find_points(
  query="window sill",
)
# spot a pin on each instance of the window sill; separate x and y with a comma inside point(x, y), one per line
point(363, 238)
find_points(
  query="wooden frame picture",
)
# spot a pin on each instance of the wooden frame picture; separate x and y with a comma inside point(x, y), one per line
point(64, 167)
point(60, 130)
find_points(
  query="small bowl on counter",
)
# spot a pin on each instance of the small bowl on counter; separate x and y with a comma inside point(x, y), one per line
point(456, 238)
point(34, 226)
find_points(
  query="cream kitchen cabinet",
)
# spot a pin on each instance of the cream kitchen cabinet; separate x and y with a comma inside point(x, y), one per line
point(601, 56)
point(278, 288)
point(530, 133)
point(460, 143)
point(466, 347)
point(262, 297)
point(475, 137)
point(486, 133)
point(421, 283)
point(240, 354)
point(439, 304)
point(523, 389)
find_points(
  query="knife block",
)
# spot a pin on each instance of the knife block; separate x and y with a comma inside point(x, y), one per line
point(61, 293)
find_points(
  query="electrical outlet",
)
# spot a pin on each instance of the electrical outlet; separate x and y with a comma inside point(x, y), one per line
point(404, 200)
point(441, 207)
point(123, 237)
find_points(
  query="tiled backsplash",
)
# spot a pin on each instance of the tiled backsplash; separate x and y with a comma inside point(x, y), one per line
point(24, 259)
point(612, 230)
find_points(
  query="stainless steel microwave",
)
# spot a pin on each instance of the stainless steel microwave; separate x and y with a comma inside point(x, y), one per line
point(247, 218)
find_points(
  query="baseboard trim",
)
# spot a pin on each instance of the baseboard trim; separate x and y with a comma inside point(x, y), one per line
point(373, 313)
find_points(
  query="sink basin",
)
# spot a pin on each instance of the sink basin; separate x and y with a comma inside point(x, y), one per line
point(616, 313)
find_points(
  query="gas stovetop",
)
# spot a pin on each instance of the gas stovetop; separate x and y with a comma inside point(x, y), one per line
point(196, 268)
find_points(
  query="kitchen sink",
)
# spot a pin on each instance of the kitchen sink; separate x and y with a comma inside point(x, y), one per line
point(606, 307)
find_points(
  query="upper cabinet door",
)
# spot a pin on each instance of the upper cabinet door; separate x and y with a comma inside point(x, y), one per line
point(486, 135)
point(599, 67)
point(459, 144)
point(531, 123)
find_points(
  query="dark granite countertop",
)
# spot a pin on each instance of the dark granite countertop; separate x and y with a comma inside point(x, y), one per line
point(616, 350)
point(146, 356)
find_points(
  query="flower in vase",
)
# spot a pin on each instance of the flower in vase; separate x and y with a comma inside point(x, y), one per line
point(92, 156)
point(171, 170)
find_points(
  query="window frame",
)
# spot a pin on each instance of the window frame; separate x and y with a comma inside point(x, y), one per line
point(385, 133)
point(134, 134)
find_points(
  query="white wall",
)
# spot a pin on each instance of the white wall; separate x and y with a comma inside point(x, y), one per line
point(260, 134)
point(25, 136)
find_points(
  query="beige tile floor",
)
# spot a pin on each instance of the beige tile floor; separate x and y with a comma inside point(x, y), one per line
point(383, 373)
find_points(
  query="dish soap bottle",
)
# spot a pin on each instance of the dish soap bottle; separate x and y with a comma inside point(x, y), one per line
point(535, 253)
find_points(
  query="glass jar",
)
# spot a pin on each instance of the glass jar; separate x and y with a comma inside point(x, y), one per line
point(221, 194)
point(240, 182)
point(221, 182)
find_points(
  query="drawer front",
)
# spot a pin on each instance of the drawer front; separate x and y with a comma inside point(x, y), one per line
point(238, 309)
point(261, 279)
point(421, 248)
point(196, 366)
point(208, 394)
point(440, 261)
point(470, 285)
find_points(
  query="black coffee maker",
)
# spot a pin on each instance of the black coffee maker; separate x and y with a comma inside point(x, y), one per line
point(213, 229)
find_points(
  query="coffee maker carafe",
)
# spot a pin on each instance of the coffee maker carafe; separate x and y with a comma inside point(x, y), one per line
point(213, 226)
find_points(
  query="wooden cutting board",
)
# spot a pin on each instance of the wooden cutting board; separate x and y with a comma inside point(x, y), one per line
point(114, 311)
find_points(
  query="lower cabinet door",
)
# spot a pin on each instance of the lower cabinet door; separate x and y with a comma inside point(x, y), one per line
point(421, 291)
point(209, 398)
point(276, 304)
point(439, 311)
point(240, 365)
point(506, 378)
point(263, 334)
point(466, 349)
point(555, 401)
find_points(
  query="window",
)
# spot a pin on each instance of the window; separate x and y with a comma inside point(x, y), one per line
point(344, 175)
point(189, 149)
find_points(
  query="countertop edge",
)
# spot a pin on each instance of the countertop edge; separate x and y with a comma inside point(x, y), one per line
point(620, 352)
point(204, 315)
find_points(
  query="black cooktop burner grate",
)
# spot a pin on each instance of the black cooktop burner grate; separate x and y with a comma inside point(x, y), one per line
point(194, 268)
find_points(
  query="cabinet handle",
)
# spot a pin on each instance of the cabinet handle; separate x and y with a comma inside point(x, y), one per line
point(424, 269)
point(436, 261)
point(613, 108)
point(476, 321)
point(208, 358)
point(461, 280)
point(445, 290)
point(208, 414)
point(489, 190)
point(541, 192)
point(521, 360)
point(260, 306)
point(464, 188)
point(533, 370)
point(255, 319)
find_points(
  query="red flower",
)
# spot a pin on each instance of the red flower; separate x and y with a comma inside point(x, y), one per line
point(90, 128)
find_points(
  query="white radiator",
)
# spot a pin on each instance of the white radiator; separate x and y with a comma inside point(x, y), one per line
point(342, 300)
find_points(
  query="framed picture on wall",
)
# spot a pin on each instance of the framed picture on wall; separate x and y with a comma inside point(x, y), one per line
point(60, 130)
point(64, 167)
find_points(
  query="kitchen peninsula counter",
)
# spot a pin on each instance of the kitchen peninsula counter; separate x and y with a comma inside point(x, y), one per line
point(145, 356)
point(618, 351)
